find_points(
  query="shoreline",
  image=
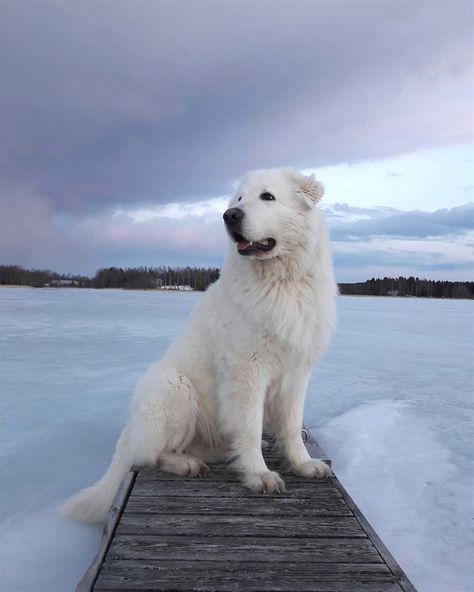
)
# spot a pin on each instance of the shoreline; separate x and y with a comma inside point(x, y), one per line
point(75, 289)
point(14, 286)
point(154, 290)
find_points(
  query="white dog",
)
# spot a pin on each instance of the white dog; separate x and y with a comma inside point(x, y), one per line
point(246, 355)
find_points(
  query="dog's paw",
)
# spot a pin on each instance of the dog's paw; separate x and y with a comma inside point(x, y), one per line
point(267, 482)
point(196, 467)
point(182, 464)
point(313, 468)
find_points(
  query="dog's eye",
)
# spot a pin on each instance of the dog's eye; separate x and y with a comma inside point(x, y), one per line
point(266, 196)
point(240, 198)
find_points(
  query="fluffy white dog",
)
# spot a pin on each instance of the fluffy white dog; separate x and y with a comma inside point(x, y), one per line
point(246, 354)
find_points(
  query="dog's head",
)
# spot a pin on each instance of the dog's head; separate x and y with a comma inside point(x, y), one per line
point(268, 215)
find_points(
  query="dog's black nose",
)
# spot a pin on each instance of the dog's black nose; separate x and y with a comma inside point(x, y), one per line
point(233, 217)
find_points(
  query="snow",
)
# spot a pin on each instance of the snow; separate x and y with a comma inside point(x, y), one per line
point(391, 404)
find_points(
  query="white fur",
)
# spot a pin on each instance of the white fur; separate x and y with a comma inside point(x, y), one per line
point(245, 356)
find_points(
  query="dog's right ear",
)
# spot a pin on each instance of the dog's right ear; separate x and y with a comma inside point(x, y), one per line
point(310, 189)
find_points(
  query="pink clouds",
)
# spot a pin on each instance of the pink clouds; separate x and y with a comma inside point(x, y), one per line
point(177, 234)
point(105, 239)
point(362, 239)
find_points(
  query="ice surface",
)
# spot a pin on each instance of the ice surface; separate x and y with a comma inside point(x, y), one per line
point(391, 404)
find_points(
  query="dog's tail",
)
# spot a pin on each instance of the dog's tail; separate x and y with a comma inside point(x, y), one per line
point(92, 503)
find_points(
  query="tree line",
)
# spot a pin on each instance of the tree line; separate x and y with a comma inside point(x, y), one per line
point(130, 278)
point(199, 278)
point(411, 286)
point(15, 275)
point(148, 278)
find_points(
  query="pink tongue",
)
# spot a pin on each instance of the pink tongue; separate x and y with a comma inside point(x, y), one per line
point(243, 245)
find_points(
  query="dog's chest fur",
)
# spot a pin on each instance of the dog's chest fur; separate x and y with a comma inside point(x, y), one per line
point(292, 315)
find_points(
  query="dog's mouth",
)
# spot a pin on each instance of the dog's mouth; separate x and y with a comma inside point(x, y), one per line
point(245, 247)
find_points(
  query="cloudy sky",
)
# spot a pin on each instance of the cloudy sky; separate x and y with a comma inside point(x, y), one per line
point(124, 126)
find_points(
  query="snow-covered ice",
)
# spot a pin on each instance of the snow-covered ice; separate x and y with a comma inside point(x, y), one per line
point(391, 403)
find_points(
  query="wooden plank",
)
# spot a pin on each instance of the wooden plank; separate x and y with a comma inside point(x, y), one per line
point(268, 584)
point(213, 534)
point(309, 489)
point(219, 474)
point(369, 570)
point(216, 473)
point(272, 458)
point(253, 549)
point(207, 575)
point(218, 525)
point(385, 554)
point(86, 584)
point(258, 506)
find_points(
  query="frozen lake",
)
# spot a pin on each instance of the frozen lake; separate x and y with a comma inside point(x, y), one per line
point(392, 404)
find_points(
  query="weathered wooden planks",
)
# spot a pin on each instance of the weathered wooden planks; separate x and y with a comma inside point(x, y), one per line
point(211, 576)
point(258, 526)
point(212, 534)
point(118, 505)
point(269, 506)
point(308, 489)
point(248, 549)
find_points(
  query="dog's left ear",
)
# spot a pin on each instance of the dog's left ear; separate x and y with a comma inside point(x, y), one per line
point(311, 189)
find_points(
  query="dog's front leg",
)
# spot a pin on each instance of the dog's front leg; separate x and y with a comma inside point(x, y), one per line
point(287, 421)
point(242, 398)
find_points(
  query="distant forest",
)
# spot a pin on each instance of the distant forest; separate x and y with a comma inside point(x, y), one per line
point(411, 286)
point(152, 278)
point(136, 278)
point(149, 278)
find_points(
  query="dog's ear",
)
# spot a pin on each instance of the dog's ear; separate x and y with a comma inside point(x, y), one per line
point(311, 190)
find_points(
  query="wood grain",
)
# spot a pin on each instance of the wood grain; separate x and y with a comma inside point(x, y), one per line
point(113, 517)
point(258, 506)
point(309, 489)
point(212, 534)
point(229, 525)
point(207, 575)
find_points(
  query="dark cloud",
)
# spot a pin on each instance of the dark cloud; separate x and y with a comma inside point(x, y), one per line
point(385, 222)
point(354, 267)
point(390, 259)
point(112, 102)
point(386, 242)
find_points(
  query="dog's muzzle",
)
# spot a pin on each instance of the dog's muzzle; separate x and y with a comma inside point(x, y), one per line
point(233, 218)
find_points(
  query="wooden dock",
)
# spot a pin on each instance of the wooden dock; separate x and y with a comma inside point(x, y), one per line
point(166, 532)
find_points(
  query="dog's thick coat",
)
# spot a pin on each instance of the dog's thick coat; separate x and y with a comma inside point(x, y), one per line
point(245, 356)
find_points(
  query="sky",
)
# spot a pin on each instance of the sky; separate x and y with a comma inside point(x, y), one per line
point(125, 126)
